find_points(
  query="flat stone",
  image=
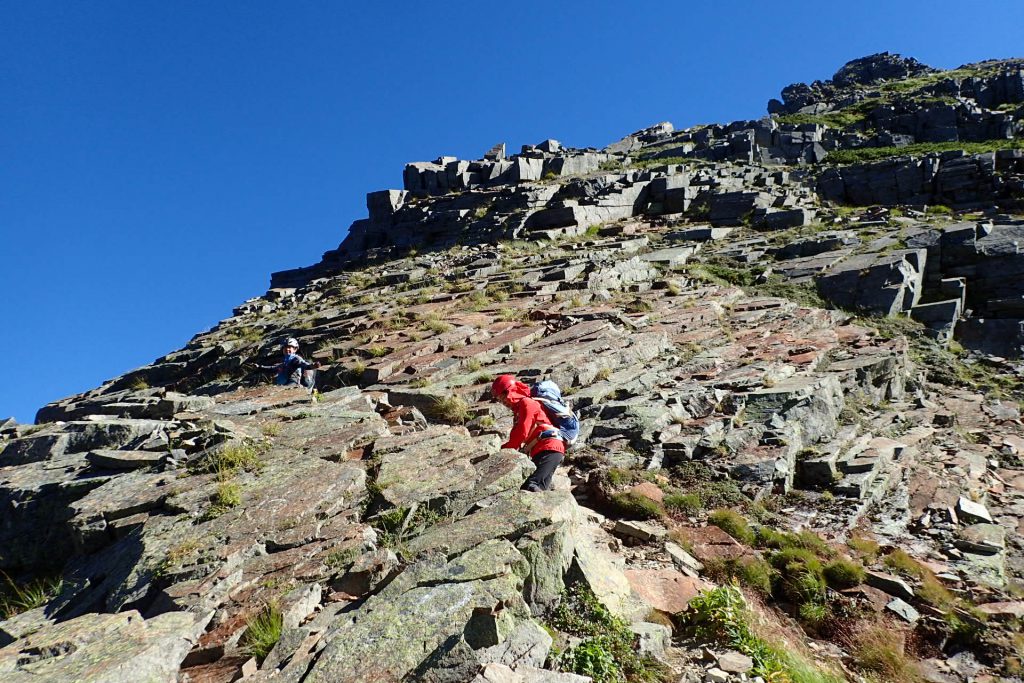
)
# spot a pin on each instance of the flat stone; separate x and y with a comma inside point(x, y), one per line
point(735, 662)
point(969, 511)
point(666, 590)
point(684, 561)
point(652, 638)
point(124, 460)
point(1004, 611)
point(893, 585)
point(644, 531)
point(716, 675)
point(113, 648)
point(984, 539)
point(903, 610)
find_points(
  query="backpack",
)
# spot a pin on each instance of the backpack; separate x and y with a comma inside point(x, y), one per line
point(558, 411)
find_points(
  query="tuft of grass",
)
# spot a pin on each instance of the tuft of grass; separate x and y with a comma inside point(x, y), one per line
point(16, 598)
point(453, 409)
point(246, 455)
point(262, 632)
point(342, 559)
point(800, 575)
point(879, 650)
point(228, 494)
point(842, 573)
point(734, 524)
point(685, 503)
point(865, 548)
point(635, 506)
point(270, 429)
point(377, 351)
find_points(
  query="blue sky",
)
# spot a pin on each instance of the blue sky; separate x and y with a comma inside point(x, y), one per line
point(158, 160)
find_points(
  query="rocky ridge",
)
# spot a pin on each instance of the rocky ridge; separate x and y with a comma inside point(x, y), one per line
point(782, 356)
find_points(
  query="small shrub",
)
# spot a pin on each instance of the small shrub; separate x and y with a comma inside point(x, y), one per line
point(734, 524)
point(608, 651)
point(262, 632)
point(842, 573)
point(603, 374)
point(634, 506)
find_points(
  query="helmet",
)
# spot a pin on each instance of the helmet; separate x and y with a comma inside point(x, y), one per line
point(501, 385)
point(291, 341)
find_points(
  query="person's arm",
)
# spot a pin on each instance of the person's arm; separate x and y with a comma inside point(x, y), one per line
point(520, 428)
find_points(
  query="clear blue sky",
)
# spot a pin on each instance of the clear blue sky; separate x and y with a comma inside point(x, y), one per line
point(158, 160)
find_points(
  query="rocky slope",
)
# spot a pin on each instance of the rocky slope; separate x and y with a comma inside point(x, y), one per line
point(795, 343)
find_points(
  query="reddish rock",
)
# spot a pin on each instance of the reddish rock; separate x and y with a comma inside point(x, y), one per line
point(711, 543)
point(665, 589)
point(1004, 611)
point(649, 490)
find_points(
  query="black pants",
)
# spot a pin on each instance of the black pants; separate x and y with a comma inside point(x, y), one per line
point(546, 462)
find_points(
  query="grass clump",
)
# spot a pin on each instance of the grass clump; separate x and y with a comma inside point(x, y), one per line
point(865, 548)
point(842, 573)
point(271, 429)
point(931, 589)
point(634, 506)
point(16, 598)
point(880, 650)
point(752, 572)
point(685, 503)
point(262, 632)
point(734, 524)
point(800, 577)
point(246, 455)
point(452, 409)
point(607, 652)
point(343, 558)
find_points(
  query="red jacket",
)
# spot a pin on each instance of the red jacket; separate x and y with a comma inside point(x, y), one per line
point(530, 421)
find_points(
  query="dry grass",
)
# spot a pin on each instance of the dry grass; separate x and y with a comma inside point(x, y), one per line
point(879, 649)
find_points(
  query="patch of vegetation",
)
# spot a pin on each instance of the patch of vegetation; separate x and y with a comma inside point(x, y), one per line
point(655, 162)
point(880, 650)
point(800, 576)
point(734, 524)
point(139, 384)
point(931, 590)
point(866, 548)
point(342, 559)
point(246, 455)
point(270, 429)
point(803, 293)
point(262, 632)
point(635, 506)
point(16, 598)
point(714, 490)
point(451, 409)
point(721, 616)
point(685, 503)
point(852, 156)
point(842, 573)
point(608, 651)
point(750, 571)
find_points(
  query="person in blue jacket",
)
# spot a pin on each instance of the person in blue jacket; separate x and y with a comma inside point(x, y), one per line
point(293, 368)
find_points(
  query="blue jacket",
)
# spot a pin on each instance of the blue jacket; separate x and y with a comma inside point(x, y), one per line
point(289, 371)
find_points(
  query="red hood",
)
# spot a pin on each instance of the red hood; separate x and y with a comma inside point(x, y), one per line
point(517, 392)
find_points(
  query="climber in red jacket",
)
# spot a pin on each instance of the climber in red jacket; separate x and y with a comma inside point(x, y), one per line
point(532, 431)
